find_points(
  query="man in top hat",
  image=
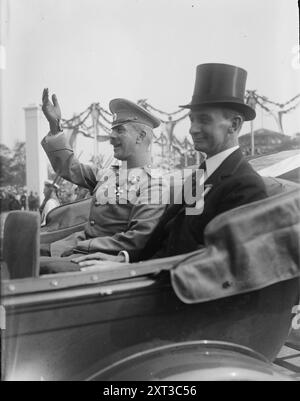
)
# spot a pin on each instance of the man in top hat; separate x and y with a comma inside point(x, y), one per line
point(126, 204)
point(51, 200)
point(217, 113)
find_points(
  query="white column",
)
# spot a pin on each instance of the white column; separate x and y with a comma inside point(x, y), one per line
point(2, 69)
point(4, 24)
point(36, 159)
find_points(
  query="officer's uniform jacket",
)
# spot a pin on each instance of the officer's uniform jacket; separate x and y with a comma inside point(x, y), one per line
point(121, 215)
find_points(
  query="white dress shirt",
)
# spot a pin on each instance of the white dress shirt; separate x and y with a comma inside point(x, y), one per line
point(212, 163)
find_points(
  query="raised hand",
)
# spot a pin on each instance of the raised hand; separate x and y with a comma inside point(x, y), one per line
point(51, 111)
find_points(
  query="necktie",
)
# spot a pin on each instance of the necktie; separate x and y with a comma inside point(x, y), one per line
point(203, 166)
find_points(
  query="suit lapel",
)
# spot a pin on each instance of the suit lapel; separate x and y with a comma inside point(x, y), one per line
point(226, 168)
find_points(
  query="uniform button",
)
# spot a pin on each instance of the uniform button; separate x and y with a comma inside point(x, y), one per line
point(92, 222)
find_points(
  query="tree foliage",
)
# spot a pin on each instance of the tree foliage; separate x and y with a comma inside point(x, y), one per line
point(13, 165)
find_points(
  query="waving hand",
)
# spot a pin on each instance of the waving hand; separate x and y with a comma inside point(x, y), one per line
point(51, 111)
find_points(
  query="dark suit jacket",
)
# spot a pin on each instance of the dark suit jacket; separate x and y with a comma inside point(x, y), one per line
point(234, 183)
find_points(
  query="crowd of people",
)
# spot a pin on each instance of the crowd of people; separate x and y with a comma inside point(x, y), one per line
point(17, 198)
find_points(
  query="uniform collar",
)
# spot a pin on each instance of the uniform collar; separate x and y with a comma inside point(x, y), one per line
point(146, 167)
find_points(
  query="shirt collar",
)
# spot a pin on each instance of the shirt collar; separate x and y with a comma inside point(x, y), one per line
point(215, 161)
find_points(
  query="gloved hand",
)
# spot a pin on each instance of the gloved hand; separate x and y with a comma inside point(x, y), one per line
point(51, 111)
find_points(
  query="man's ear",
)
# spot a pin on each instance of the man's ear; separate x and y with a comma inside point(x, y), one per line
point(236, 124)
point(140, 137)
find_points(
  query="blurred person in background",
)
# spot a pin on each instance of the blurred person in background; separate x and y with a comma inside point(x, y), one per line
point(50, 202)
point(31, 202)
point(23, 200)
point(36, 203)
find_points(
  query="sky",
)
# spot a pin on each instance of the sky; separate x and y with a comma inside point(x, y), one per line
point(95, 50)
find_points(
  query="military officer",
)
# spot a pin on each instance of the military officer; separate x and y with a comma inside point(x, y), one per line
point(128, 200)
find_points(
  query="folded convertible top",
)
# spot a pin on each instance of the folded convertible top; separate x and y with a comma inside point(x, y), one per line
point(247, 248)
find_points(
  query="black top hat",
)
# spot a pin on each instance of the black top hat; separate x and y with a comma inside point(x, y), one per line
point(221, 84)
